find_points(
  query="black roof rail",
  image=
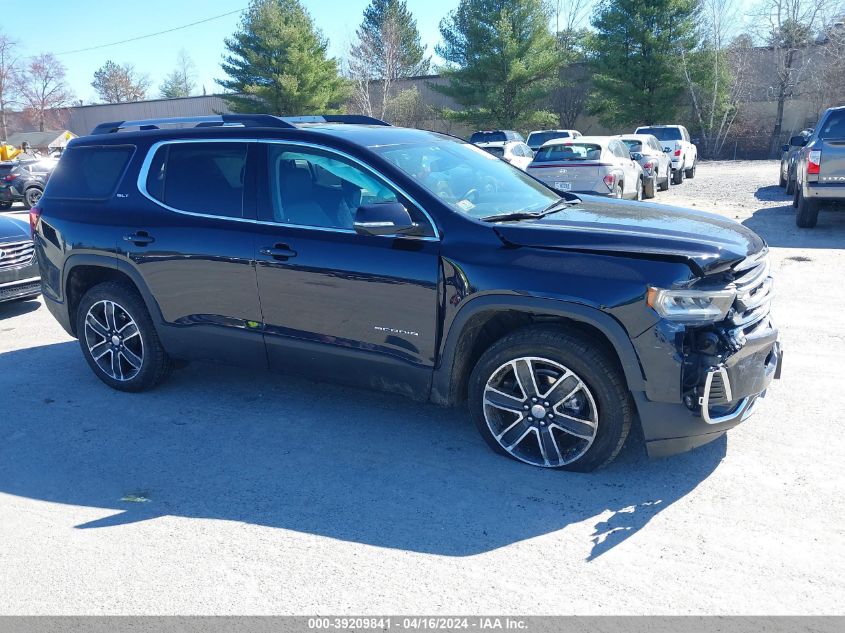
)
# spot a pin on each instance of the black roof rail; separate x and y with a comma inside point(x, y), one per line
point(245, 120)
point(351, 119)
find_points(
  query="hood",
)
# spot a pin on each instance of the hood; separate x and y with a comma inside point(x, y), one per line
point(710, 242)
point(13, 229)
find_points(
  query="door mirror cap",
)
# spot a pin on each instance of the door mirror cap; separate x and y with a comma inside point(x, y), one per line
point(384, 218)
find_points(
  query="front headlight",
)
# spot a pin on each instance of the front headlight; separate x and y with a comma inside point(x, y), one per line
point(691, 306)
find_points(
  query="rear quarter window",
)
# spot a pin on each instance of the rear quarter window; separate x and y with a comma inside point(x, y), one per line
point(834, 127)
point(89, 172)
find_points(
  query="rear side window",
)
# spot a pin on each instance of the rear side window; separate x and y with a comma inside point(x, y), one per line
point(89, 172)
point(199, 177)
point(834, 127)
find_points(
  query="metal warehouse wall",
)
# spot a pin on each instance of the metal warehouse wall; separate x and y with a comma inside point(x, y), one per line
point(82, 119)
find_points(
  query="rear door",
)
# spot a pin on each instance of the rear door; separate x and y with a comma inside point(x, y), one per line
point(193, 243)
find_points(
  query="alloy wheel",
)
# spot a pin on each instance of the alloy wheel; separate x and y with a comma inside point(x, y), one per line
point(114, 340)
point(540, 412)
point(33, 195)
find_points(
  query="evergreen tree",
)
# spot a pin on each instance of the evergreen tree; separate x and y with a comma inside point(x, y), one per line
point(277, 63)
point(412, 58)
point(502, 60)
point(636, 54)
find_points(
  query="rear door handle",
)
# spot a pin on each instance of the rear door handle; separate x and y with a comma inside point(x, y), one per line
point(139, 238)
point(282, 252)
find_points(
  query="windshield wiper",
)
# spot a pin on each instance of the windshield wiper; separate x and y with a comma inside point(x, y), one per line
point(554, 207)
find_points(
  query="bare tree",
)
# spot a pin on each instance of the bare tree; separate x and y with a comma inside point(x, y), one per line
point(790, 27)
point(43, 90)
point(9, 81)
point(120, 83)
point(716, 75)
point(824, 85)
point(373, 66)
point(571, 16)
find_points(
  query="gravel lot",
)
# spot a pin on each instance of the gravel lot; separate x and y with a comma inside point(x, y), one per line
point(230, 492)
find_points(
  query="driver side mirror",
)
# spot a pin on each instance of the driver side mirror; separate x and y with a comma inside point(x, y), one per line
point(384, 218)
point(797, 141)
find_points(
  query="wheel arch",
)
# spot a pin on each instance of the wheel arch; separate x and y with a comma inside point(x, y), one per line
point(483, 321)
point(83, 272)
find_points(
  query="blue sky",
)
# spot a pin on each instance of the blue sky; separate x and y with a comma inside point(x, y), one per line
point(87, 23)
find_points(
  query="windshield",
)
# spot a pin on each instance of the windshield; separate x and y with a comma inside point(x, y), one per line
point(662, 133)
point(572, 151)
point(487, 137)
point(468, 179)
point(536, 139)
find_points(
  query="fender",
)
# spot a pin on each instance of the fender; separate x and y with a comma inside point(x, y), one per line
point(442, 380)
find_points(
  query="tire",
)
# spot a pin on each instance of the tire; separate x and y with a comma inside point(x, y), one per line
point(795, 196)
point(664, 186)
point(595, 394)
point(639, 195)
point(650, 190)
point(678, 177)
point(5, 205)
point(617, 191)
point(790, 186)
point(783, 181)
point(31, 197)
point(807, 215)
point(690, 173)
point(140, 362)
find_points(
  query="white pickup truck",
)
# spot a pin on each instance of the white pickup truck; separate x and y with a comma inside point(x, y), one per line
point(676, 142)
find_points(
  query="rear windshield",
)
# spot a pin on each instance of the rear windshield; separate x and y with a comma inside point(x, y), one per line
point(569, 151)
point(89, 172)
point(536, 139)
point(487, 137)
point(834, 127)
point(662, 133)
point(496, 151)
point(633, 146)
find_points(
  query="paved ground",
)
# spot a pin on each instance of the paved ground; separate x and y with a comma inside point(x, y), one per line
point(227, 491)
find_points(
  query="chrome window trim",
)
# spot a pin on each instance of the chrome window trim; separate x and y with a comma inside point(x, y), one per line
point(143, 173)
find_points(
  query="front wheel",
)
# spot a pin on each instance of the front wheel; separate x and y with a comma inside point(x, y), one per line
point(551, 399)
point(118, 338)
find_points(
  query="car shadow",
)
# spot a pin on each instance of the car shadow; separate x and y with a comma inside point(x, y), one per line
point(9, 309)
point(772, 193)
point(777, 226)
point(223, 443)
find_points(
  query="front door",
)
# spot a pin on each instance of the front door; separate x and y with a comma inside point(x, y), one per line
point(352, 308)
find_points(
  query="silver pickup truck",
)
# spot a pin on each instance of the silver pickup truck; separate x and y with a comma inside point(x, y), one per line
point(820, 168)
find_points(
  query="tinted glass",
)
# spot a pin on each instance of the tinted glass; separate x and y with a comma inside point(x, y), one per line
point(496, 151)
point(467, 179)
point(536, 139)
point(573, 151)
point(834, 127)
point(200, 177)
point(633, 146)
point(662, 133)
point(89, 172)
point(487, 137)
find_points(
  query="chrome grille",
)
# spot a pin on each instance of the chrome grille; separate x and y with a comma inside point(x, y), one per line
point(754, 292)
point(16, 254)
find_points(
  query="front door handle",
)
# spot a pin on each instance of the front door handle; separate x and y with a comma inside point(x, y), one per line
point(139, 238)
point(282, 252)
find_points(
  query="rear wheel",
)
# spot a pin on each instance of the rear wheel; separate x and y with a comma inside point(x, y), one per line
point(118, 338)
point(31, 197)
point(807, 215)
point(664, 186)
point(550, 399)
point(690, 173)
point(650, 187)
point(790, 185)
point(677, 176)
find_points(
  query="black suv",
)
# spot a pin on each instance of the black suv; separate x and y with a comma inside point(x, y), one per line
point(24, 181)
point(410, 261)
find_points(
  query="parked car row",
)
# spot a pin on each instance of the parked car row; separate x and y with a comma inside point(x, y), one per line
point(632, 166)
point(24, 181)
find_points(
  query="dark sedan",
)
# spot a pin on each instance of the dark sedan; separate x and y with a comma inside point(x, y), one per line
point(19, 277)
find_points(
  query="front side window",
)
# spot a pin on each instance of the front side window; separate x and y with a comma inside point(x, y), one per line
point(200, 177)
point(313, 188)
point(467, 179)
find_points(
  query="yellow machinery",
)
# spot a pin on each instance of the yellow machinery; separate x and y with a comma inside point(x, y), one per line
point(8, 152)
